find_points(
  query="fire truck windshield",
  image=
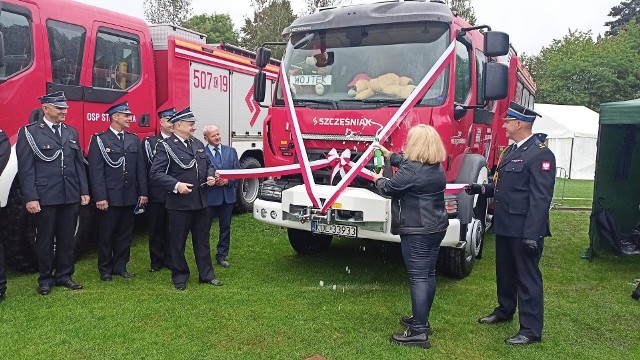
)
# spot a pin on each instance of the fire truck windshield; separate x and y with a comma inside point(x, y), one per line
point(334, 65)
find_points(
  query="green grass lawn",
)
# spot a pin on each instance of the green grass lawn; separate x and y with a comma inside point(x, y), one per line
point(272, 307)
point(573, 193)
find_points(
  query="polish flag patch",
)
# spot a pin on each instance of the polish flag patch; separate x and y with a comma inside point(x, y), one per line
point(546, 166)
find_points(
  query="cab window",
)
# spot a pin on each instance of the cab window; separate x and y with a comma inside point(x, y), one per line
point(117, 60)
point(463, 74)
point(15, 30)
point(66, 47)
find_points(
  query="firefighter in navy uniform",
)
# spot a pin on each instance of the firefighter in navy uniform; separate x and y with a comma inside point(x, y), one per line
point(522, 190)
point(118, 183)
point(54, 184)
point(5, 152)
point(182, 167)
point(158, 227)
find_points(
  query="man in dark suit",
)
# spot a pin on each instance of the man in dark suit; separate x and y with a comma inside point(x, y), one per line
point(222, 196)
point(5, 152)
point(181, 167)
point(159, 250)
point(54, 183)
point(118, 183)
point(522, 191)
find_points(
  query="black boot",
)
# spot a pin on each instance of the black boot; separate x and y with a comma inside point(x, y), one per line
point(409, 338)
point(407, 321)
point(636, 294)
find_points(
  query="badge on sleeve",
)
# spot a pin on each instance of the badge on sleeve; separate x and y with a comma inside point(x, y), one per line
point(546, 166)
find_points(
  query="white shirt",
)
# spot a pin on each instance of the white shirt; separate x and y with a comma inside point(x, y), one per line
point(117, 133)
point(50, 125)
point(523, 141)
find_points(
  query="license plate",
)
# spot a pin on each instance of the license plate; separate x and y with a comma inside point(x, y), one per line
point(311, 80)
point(333, 229)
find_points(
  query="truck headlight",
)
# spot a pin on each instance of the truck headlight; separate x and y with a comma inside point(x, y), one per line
point(270, 191)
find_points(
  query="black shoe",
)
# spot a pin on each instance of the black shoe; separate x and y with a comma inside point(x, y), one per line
point(125, 274)
point(492, 319)
point(214, 282)
point(44, 289)
point(410, 339)
point(69, 284)
point(106, 277)
point(407, 321)
point(635, 295)
point(2, 296)
point(155, 268)
point(224, 263)
point(519, 339)
point(180, 286)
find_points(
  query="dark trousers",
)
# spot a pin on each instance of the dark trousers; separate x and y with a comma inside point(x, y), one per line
point(56, 222)
point(519, 283)
point(3, 271)
point(114, 239)
point(223, 212)
point(159, 248)
point(181, 222)
point(420, 254)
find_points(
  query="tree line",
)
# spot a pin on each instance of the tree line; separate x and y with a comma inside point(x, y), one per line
point(574, 70)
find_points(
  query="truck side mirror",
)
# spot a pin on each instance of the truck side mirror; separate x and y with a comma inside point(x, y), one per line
point(259, 86)
point(263, 55)
point(496, 43)
point(496, 81)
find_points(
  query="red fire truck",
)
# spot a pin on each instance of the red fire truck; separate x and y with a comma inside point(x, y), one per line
point(99, 58)
point(459, 80)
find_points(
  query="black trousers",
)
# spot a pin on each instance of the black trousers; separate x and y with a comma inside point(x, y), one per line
point(56, 222)
point(3, 271)
point(223, 212)
point(159, 245)
point(181, 222)
point(519, 283)
point(114, 239)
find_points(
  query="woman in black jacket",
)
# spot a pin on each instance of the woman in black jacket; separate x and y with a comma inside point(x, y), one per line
point(419, 217)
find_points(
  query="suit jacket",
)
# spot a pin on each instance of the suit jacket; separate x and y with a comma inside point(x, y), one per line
point(166, 172)
point(523, 193)
point(121, 187)
point(150, 146)
point(5, 150)
point(217, 195)
point(51, 182)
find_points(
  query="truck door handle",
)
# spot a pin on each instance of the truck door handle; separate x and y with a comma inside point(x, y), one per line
point(145, 120)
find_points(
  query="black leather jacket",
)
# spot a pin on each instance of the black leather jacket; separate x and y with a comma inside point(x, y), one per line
point(417, 197)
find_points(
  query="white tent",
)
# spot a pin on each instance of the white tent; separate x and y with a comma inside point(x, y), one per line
point(572, 134)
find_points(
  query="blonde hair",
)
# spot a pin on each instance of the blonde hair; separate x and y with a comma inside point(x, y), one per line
point(424, 145)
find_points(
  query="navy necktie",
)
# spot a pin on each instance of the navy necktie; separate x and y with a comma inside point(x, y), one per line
point(121, 136)
point(216, 154)
point(56, 130)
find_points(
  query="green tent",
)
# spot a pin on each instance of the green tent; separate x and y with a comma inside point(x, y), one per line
point(617, 178)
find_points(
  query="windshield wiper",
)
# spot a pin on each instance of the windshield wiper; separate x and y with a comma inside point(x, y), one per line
point(311, 103)
point(389, 102)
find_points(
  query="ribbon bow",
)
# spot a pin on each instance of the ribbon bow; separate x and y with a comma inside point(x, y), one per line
point(338, 162)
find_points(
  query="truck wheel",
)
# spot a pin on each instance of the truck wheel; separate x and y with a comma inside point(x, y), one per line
point(18, 233)
point(458, 262)
point(247, 189)
point(308, 243)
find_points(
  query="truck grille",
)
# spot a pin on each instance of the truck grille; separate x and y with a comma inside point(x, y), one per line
point(361, 138)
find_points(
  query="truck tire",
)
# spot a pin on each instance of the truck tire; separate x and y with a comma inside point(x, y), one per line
point(307, 243)
point(18, 233)
point(458, 262)
point(247, 189)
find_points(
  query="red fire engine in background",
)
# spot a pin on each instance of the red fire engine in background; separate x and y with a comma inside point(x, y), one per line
point(325, 55)
point(99, 58)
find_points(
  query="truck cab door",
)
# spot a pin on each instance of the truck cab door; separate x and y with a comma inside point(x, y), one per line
point(120, 68)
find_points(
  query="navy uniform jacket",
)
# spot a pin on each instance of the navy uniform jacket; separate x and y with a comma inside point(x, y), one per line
point(523, 192)
point(119, 187)
point(150, 147)
point(217, 195)
point(5, 150)
point(166, 172)
point(51, 182)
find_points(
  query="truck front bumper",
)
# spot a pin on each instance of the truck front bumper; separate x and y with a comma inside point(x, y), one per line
point(374, 221)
